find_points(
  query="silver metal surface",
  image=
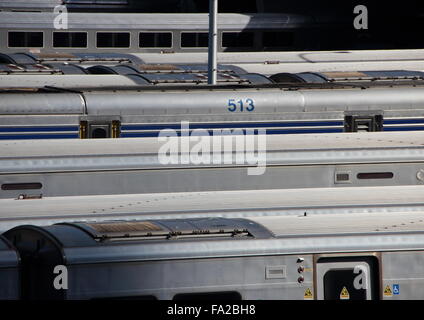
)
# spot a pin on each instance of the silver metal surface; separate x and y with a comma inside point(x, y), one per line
point(132, 166)
point(403, 269)
point(318, 224)
point(65, 81)
point(287, 246)
point(304, 61)
point(351, 208)
point(40, 104)
point(125, 154)
point(168, 278)
point(171, 106)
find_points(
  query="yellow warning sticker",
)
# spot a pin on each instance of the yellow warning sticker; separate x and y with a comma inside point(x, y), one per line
point(344, 294)
point(308, 294)
point(388, 291)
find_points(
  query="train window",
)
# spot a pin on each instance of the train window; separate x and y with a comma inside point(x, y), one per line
point(206, 296)
point(272, 39)
point(18, 39)
point(113, 39)
point(194, 39)
point(237, 39)
point(21, 186)
point(155, 40)
point(375, 175)
point(69, 39)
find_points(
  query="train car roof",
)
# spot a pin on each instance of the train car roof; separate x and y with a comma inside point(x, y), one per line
point(85, 243)
point(269, 63)
point(114, 77)
point(143, 153)
point(280, 57)
point(343, 223)
point(85, 59)
point(266, 63)
point(273, 58)
point(363, 141)
point(69, 81)
point(341, 201)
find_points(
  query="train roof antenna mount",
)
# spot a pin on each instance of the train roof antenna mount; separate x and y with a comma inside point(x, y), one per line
point(213, 41)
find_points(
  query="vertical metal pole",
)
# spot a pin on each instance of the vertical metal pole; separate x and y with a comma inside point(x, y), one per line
point(213, 41)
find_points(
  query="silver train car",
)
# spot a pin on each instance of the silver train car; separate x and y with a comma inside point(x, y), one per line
point(355, 257)
point(138, 32)
point(56, 113)
point(51, 168)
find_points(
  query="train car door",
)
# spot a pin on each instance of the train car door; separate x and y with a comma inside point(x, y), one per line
point(347, 278)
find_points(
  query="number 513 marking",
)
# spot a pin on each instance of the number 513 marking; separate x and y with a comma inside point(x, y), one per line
point(240, 105)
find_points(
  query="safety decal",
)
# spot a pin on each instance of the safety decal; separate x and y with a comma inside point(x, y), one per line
point(308, 294)
point(388, 291)
point(344, 294)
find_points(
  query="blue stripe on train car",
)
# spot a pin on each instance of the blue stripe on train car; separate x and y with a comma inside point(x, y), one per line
point(129, 127)
point(403, 128)
point(272, 131)
point(232, 125)
point(39, 136)
point(71, 132)
point(40, 129)
point(403, 121)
